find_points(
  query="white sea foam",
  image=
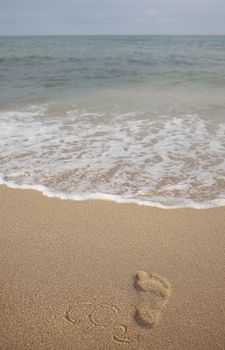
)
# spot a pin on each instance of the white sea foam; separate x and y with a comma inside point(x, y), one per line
point(51, 193)
point(132, 157)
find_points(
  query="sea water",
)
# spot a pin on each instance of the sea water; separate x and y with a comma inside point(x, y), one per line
point(127, 118)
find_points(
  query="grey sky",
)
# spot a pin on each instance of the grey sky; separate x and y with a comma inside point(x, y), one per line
point(30, 17)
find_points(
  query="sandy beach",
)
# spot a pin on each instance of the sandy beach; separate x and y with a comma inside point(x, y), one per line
point(101, 275)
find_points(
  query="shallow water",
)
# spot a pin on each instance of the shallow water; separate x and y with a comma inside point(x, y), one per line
point(137, 118)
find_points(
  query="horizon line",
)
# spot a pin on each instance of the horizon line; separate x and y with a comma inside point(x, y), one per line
point(166, 34)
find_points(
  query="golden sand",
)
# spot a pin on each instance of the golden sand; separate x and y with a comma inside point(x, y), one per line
point(101, 275)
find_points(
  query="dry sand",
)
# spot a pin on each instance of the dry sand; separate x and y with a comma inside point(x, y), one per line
point(101, 275)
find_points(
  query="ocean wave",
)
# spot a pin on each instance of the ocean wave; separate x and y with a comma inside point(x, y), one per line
point(165, 161)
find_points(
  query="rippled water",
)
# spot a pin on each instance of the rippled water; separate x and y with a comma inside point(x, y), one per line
point(125, 118)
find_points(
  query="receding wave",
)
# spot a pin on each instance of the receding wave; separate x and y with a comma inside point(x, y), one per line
point(168, 161)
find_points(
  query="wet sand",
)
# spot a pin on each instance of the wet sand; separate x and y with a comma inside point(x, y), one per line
point(101, 275)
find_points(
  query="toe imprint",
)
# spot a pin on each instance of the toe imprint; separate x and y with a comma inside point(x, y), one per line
point(152, 283)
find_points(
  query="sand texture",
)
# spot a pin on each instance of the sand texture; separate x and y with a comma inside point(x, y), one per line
point(101, 275)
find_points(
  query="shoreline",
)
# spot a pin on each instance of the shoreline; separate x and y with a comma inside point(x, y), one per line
point(60, 259)
point(52, 193)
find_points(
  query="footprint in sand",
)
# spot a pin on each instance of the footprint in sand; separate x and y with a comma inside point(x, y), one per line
point(154, 292)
